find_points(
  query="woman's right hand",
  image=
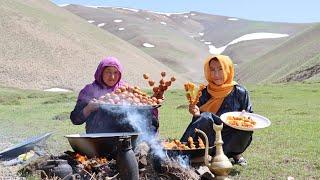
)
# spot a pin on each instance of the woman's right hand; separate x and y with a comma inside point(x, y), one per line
point(92, 106)
point(194, 110)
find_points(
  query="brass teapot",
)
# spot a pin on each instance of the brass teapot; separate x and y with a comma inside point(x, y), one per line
point(220, 164)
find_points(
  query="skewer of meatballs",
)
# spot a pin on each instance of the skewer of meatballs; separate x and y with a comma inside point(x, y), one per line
point(163, 86)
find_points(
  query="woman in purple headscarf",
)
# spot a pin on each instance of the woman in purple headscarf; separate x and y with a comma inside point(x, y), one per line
point(107, 79)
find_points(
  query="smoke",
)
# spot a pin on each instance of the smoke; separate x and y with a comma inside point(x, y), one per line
point(139, 122)
point(183, 161)
point(140, 119)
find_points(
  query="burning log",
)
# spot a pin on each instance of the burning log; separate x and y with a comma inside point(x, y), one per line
point(97, 167)
point(89, 164)
point(173, 169)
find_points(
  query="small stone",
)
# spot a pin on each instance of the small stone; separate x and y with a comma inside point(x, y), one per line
point(290, 178)
point(205, 173)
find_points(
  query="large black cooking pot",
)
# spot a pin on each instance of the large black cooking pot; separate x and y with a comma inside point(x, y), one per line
point(99, 144)
point(120, 118)
point(122, 111)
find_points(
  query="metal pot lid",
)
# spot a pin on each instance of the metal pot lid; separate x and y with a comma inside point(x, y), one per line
point(23, 147)
point(101, 135)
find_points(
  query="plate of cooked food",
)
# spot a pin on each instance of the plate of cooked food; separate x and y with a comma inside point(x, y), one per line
point(245, 121)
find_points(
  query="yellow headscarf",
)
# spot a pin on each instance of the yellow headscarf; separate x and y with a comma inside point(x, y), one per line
point(218, 93)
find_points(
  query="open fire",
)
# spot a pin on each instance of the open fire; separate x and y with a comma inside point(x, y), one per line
point(90, 163)
point(71, 165)
point(97, 167)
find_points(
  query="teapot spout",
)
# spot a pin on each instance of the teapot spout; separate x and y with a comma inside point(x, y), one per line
point(206, 152)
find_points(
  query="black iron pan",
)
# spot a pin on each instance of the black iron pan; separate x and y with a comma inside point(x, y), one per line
point(98, 144)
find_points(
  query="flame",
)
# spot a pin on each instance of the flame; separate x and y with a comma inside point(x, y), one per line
point(90, 162)
point(102, 160)
point(80, 158)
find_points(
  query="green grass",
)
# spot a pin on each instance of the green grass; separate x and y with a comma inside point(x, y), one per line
point(289, 147)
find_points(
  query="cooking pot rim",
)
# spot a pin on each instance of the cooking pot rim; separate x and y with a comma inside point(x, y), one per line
point(102, 135)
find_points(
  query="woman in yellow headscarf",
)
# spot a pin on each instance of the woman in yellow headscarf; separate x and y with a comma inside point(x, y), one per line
point(221, 95)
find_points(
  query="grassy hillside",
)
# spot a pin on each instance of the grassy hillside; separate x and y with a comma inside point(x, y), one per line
point(287, 148)
point(297, 59)
point(43, 46)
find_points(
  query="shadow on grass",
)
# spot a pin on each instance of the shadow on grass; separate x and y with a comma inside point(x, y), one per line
point(234, 172)
point(36, 95)
point(300, 113)
point(61, 98)
point(182, 106)
point(277, 97)
point(61, 117)
point(14, 100)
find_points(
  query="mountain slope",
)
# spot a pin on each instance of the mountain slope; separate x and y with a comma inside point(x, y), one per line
point(297, 59)
point(45, 46)
point(181, 39)
point(171, 47)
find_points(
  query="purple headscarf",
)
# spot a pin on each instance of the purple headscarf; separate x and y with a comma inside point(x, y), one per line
point(98, 87)
point(107, 62)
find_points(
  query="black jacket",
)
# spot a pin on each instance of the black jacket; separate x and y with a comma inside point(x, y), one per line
point(237, 100)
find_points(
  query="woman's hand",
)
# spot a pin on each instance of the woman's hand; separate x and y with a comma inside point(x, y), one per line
point(194, 110)
point(92, 106)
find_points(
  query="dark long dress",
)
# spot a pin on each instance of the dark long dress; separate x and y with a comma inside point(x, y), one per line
point(235, 141)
